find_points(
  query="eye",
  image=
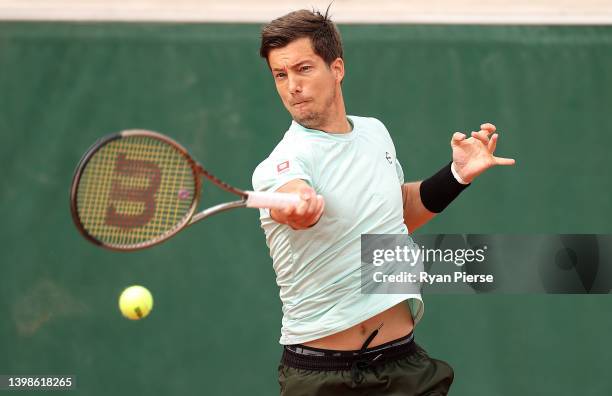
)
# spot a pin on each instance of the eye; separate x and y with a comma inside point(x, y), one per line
point(279, 75)
point(305, 68)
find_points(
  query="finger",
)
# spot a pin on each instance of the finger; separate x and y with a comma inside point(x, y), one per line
point(489, 127)
point(306, 193)
point(308, 218)
point(288, 211)
point(457, 137)
point(311, 214)
point(481, 136)
point(486, 133)
point(320, 208)
point(493, 143)
point(283, 216)
point(312, 205)
point(301, 207)
point(504, 161)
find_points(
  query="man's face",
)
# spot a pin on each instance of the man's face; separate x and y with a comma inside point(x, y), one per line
point(306, 85)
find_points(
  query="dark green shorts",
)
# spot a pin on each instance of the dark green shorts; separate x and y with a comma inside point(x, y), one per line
point(398, 368)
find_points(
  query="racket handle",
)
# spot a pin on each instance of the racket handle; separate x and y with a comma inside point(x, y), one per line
point(271, 200)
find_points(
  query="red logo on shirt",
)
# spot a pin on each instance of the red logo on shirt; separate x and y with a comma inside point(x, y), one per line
point(282, 167)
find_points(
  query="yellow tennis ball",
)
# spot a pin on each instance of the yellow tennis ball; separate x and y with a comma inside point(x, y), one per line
point(135, 302)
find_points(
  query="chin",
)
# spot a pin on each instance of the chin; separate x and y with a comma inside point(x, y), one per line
point(309, 120)
point(308, 123)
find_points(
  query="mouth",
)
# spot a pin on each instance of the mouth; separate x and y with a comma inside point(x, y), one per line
point(299, 103)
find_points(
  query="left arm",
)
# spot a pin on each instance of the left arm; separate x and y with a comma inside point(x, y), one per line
point(422, 200)
point(415, 213)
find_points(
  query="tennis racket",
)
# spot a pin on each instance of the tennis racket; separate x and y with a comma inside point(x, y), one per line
point(137, 188)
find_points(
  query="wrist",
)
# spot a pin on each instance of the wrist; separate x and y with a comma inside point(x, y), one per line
point(441, 189)
point(458, 177)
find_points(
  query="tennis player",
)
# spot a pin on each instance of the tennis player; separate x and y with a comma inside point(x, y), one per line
point(338, 341)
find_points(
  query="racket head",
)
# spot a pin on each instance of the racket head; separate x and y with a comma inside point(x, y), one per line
point(133, 190)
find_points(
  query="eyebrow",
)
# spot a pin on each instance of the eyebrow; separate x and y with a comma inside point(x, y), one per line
point(293, 65)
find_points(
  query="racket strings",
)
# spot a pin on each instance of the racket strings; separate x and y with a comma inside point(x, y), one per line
point(135, 190)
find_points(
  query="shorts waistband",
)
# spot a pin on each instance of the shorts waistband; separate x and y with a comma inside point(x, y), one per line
point(308, 358)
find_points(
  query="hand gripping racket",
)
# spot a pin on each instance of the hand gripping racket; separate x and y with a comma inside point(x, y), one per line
point(137, 188)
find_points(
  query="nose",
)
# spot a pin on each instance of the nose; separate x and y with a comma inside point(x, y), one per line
point(294, 84)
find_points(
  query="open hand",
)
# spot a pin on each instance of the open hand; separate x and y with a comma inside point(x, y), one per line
point(474, 155)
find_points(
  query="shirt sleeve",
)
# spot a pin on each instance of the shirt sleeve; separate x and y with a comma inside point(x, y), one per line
point(398, 165)
point(278, 169)
point(399, 171)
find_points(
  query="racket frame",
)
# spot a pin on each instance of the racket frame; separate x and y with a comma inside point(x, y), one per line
point(197, 171)
point(191, 217)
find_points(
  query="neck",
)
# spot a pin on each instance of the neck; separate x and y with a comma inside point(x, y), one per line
point(337, 122)
point(341, 125)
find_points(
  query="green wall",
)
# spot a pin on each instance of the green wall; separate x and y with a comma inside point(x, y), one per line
point(215, 326)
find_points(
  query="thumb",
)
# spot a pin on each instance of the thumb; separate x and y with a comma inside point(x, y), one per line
point(306, 193)
point(504, 161)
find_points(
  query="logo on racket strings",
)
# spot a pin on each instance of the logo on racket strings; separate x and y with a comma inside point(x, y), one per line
point(130, 168)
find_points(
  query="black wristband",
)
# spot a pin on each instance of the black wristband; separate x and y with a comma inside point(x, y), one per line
point(440, 190)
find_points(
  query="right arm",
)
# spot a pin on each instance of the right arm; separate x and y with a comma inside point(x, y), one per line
point(303, 215)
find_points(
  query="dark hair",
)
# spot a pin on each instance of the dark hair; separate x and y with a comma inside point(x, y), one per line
point(322, 32)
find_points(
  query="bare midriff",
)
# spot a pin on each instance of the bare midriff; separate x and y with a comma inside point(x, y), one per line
point(396, 322)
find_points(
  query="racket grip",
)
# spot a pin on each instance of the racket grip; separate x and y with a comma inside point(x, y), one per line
point(271, 200)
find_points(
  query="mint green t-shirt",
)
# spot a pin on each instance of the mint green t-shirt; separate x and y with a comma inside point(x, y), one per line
point(318, 269)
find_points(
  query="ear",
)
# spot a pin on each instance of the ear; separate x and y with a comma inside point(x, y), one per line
point(337, 67)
